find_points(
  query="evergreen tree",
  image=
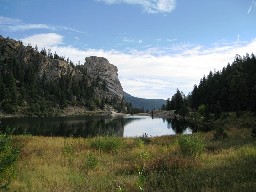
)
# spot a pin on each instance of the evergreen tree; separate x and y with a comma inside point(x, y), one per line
point(178, 103)
point(232, 89)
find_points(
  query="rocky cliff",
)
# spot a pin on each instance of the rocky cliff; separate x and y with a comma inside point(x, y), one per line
point(38, 82)
point(100, 66)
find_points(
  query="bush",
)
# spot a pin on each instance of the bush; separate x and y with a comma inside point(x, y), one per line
point(90, 162)
point(106, 144)
point(145, 138)
point(220, 133)
point(191, 145)
point(8, 158)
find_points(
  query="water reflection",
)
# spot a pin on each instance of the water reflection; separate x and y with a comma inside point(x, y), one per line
point(178, 126)
point(131, 126)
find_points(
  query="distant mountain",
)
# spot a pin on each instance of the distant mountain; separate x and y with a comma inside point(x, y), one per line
point(147, 104)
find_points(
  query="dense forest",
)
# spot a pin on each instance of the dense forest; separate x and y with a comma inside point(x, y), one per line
point(34, 82)
point(233, 89)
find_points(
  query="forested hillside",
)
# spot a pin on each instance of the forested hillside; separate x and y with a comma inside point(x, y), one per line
point(34, 82)
point(145, 104)
point(231, 89)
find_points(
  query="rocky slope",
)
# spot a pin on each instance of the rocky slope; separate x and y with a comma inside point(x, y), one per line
point(39, 82)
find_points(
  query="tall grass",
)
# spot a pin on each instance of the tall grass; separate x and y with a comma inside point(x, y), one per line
point(117, 164)
point(191, 145)
point(106, 144)
point(8, 158)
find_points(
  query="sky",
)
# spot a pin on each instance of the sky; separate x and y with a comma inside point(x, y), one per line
point(157, 45)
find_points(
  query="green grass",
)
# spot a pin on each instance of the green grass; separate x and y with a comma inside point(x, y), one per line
point(8, 158)
point(131, 164)
point(191, 145)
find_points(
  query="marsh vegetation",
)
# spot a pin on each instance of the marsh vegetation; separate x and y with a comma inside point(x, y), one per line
point(169, 163)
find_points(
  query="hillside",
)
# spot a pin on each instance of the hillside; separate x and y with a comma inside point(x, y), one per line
point(231, 89)
point(147, 104)
point(41, 83)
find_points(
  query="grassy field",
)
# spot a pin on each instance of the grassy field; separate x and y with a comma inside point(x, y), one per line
point(171, 163)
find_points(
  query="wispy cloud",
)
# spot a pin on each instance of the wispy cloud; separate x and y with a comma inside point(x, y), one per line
point(16, 25)
point(25, 27)
point(150, 6)
point(129, 40)
point(253, 5)
point(9, 21)
point(146, 73)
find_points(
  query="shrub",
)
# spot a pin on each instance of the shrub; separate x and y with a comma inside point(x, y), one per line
point(90, 162)
point(145, 138)
point(106, 144)
point(8, 158)
point(220, 133)
point(68, 151)
point(191, 145)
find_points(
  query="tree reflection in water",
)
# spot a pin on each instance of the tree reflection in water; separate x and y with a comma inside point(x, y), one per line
point(67, 126)
point(178, 126)
point(92, 126)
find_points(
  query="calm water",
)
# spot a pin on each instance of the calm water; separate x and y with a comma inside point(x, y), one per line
point(130, 126)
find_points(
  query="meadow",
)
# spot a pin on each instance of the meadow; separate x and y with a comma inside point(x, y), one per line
point(195, 162)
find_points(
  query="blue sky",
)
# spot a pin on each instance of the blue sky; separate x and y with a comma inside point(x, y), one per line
point(157, 45)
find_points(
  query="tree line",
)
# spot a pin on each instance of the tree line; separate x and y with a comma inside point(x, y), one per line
point(232, 89)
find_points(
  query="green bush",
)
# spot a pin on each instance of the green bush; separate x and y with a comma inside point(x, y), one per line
point(191, 145)
point(106, 144)
point(8, 158)
point(91, 162)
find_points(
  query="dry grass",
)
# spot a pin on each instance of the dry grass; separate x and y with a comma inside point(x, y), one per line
point(72, 164)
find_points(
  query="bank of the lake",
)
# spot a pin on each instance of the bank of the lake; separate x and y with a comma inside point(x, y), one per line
point(136, 164)
point(67, 112)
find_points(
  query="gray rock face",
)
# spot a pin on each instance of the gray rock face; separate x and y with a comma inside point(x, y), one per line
point(54, 68)
point(100, 66)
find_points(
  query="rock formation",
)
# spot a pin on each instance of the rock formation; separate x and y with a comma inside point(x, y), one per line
point(100, 66)
point(38, 82)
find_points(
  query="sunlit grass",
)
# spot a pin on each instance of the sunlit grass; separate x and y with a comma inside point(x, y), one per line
point(131, 164)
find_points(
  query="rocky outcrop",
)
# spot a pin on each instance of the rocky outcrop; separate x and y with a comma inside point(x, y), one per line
point(47, 83)
point(100, 67)
point(55, 68)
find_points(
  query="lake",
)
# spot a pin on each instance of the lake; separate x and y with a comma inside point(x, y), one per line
point(128, 126)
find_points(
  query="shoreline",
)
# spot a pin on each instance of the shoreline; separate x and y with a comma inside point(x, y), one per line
point(85, 114)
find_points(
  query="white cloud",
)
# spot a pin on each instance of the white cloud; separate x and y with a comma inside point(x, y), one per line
point(8, 21)
point(127, 40)
point(150, 6)
point(253, 5)
point(25, 27)
point(149, 74)
point(46, 40)
point(16, 25)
